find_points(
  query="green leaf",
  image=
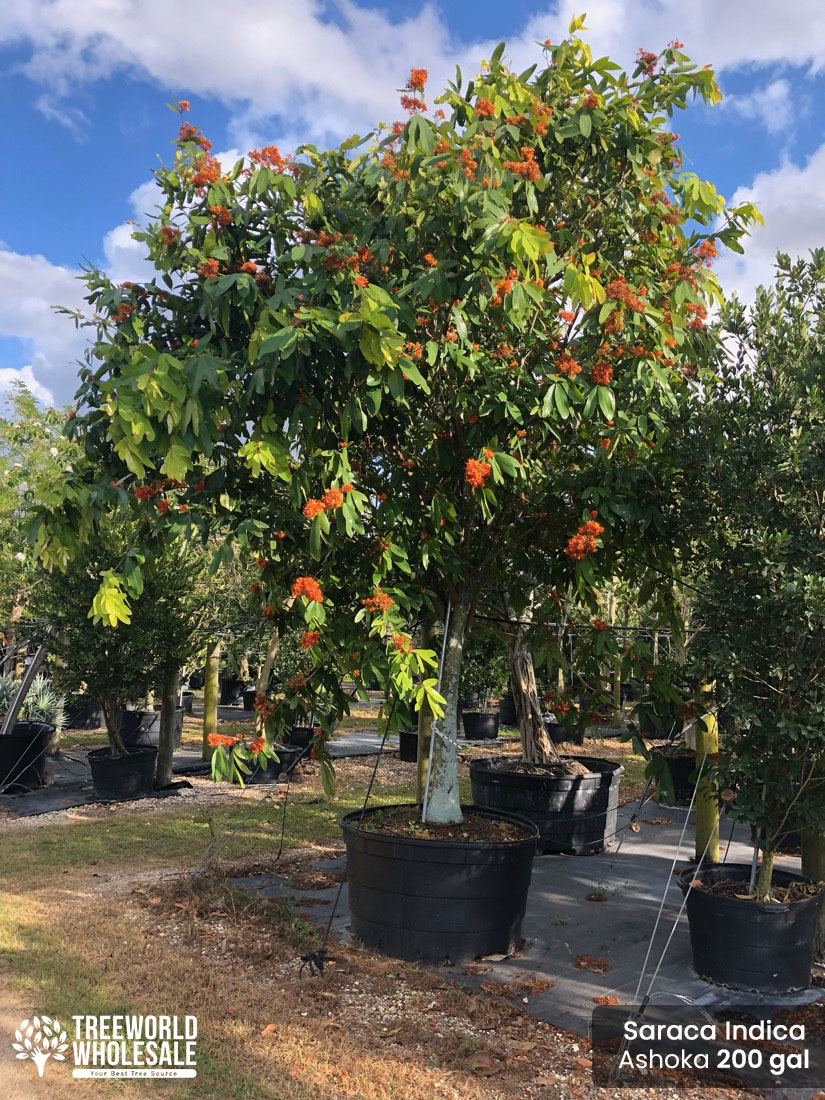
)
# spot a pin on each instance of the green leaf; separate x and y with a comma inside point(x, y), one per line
point(585, 123)
point(607, 402)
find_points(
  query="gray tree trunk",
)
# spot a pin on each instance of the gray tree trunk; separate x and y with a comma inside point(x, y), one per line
point(444, 804)
point(166, 737)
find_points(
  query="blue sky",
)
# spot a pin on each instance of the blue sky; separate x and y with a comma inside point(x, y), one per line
point(84, 86)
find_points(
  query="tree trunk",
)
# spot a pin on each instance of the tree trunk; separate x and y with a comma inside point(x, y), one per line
point(536, 746)
point(763, 879)
point(706, 805)
point(211, 693)
point(262, 683)
point(166, 737)
point(444, 804)
point(813, 865)
point(112, 711)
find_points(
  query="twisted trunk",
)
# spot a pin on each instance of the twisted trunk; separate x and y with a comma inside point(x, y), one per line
point(536, 746)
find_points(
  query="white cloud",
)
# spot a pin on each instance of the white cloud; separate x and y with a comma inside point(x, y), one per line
point(772, 105)
point(792, 201)
point(8, 376)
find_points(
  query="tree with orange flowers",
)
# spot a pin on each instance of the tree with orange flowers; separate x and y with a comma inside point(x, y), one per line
point(405, 370)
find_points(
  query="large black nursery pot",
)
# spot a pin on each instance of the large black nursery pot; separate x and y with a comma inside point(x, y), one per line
point(83, 713)
point(437, 901)
point(23, 756)
point(231, 691)
point(480, 725)
point(141, 728)
point(682, 767)
point(576, 814)
point(558, 734)
point(408, 746)
point(188, 698)
point(288, 757)
point(507, 709)
point(249, 694)
point(762, 947)
point(131, 775)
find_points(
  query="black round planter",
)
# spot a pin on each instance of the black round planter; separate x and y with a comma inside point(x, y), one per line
point(23, 756)
point(141, 728)
point(231, 691)
point(196, 681)
point(437, 901)
point(760, 947)
point(507, 709)
point(480, 725)
point(301, 736)
point(84, 714)
point(288, 756)
point(682, 766)
point(558, 734)
point(573, 813)
point(408, 746)
point(188, 700)
point(116, 778)
point(249, 695)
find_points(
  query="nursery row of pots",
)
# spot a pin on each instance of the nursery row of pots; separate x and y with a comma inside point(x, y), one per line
point(435, 901)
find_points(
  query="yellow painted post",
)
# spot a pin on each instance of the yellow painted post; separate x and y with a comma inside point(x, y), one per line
point(706, 804)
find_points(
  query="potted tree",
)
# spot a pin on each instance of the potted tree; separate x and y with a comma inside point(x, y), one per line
point(33, 735)
point(455, 396)
point(483, 673)
point(761, 604)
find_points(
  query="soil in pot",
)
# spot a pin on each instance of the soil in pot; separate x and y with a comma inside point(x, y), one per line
point(432, 893)
point(140, 728)
point(23, 756)
point(480, 725)
point(131, 775)
point(763, 947)
point(574, 813)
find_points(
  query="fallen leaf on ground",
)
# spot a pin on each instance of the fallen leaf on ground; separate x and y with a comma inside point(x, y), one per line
point(483, 1064)
point(494, 958)
point(270, 1029)
point(596, 896)
point(604, 999)
point(635, 827)
point(591, 962)
point(585, 1063)
point(657, 821)
point(530, 983)
point(154, 901)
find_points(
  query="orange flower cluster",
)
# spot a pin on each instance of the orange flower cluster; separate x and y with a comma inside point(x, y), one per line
point(333, 498)
point(268, 611)
point(619, 291)
point(209, 269)
point(250, 267)
point(309, 587)
point(430, 260)
point(170, 234)
point(361, 281)
point(207, 170)
point(590, 100)
point(310, 639)
point(163, 507)
point(567, 365)
point(476, 473)
point(697, 322)
point(418, 78)
point(313, 508)
point(584, 541)
point(412, 104)
point(255, 587)
point(263, 707)
point(599, 624)
point(527, 166)
point(379, 602)
point(122, 313)
point(144, 492)
point(707, 250)
point(402, 642)
point(566, 315)
point(221, 215)
point(484, 108)
point(268, 157)
point(504, 287)
point(647, 60)
point(256, 745)
point(216, 739)
point(601, 373)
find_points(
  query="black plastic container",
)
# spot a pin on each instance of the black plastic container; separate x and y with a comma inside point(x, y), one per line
point(408, 746)
point(559, 735)
point(188, 698)
point(682, 766)
point(480, 725)
point(302, 736)
point(84, 714)
point(507, 709)
point(759, 947)
point(437, 901)
point(249, 694)
point(288, 756)
point(116, 778)
point(231, 691)
point(23, 756)
point(141, 728)
point(576, 814)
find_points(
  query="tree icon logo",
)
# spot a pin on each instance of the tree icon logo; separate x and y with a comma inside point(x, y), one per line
point(40, 1038)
